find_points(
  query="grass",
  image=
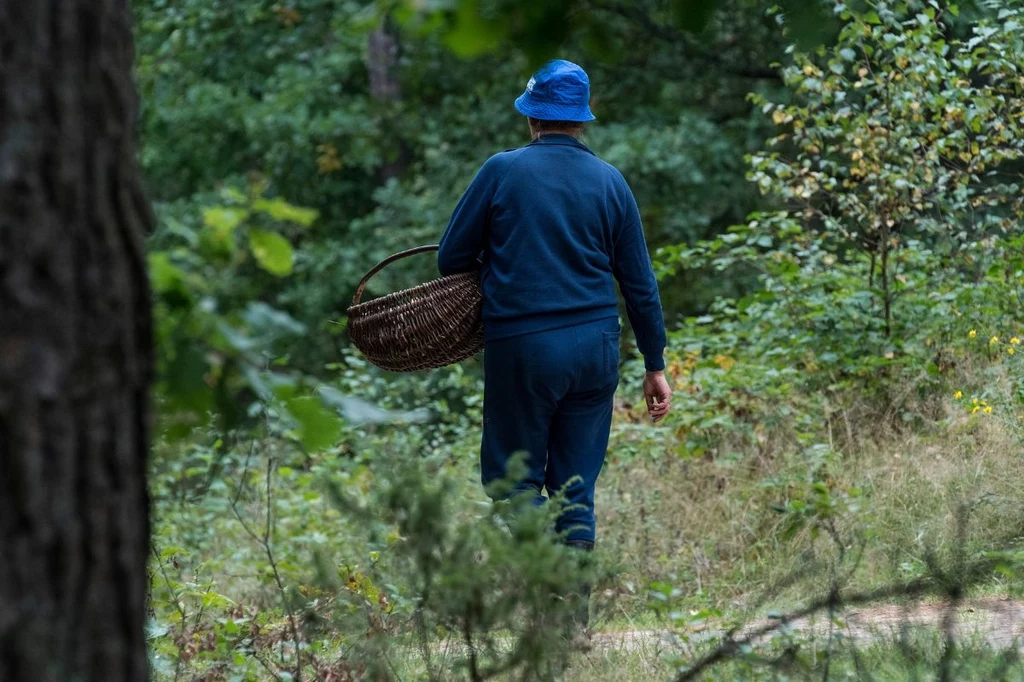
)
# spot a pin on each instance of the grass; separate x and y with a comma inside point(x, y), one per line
point(724, 539)
point(913, 657)
point(713, 526)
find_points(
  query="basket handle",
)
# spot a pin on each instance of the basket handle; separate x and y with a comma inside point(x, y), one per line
point(386, 262)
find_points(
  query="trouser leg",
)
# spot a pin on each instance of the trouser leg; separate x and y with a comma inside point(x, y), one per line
point(580, 428)
point(577, 446)
point(524, 378)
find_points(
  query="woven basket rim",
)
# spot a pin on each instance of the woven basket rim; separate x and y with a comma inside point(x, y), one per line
point(397, 296)
point(432, 324)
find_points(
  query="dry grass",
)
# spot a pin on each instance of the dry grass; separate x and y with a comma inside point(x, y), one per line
point(710, 526)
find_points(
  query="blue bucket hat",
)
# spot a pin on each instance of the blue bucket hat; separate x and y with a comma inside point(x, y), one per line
point(560, 91)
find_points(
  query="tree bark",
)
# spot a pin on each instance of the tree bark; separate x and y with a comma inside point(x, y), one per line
point(386, 88)
point(75, 347)
point(383, 63)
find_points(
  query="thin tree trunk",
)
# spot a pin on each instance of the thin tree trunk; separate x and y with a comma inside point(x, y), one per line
point(386, 88)
point(383, 63)
point(75, 347)
point(886, 291)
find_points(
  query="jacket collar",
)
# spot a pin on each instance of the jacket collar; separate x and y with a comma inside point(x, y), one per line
point(559, 139)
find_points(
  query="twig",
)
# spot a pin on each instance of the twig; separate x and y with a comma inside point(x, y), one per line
point(177, 606)
point(862, 671)
point(955, 595)
point(267, 667)
point(245, 472)
point(831, 638)
point(421, 628)
point(949, 638)
point(264, 541)
point(835, 599)
point(467, 637)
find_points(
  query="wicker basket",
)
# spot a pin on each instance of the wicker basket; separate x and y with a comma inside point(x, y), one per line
point(430, 325)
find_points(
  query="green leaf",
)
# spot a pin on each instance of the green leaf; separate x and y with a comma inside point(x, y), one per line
point(171, 550)
point(279, 209)
point(318, 426)
point(236, 339)
point(872, 18)
point(270, 321)
point(216, 601)
point(252, 378)
point(223, 219)
point(359, 411)
point(232, 194)
point(155, 630)
point(164, 275)
point(272, 252)
point(472, 34)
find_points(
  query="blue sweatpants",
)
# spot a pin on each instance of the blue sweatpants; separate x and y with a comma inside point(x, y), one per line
point(550, 394)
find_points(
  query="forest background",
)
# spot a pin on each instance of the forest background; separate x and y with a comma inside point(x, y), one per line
point(832, 197)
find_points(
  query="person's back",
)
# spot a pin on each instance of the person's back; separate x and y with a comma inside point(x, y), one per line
point(551, 228)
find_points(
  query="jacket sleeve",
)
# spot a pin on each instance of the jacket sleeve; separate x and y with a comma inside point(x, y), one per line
point(633, 269)
point(465, 237)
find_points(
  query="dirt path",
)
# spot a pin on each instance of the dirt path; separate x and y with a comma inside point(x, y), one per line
point(997, 622)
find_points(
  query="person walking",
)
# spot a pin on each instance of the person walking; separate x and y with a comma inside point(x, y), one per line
point(551, 227)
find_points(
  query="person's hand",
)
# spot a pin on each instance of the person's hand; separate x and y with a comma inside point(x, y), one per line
point(658, 395)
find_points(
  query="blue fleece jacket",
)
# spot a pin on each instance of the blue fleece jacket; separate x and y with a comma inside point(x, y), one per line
point(552, 227)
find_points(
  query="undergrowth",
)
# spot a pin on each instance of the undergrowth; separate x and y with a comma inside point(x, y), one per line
point(845, 435)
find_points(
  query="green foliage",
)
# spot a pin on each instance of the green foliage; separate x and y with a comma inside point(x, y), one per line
point(327, 522)
point(491, 580)
point(899, 166)
point(361, 561)
point(472, 28)
point(896, 137)
point(282, 91)
point(214, 340)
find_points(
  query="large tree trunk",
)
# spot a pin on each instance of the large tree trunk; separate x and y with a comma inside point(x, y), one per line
point(75, 347)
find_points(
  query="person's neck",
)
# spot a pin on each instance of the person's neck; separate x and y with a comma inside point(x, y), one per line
point(541, 133)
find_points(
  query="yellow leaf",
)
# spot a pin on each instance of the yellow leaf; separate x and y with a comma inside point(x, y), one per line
point(724, 362)
point(328, 160)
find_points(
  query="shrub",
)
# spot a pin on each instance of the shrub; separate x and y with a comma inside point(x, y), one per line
point(898, 168)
